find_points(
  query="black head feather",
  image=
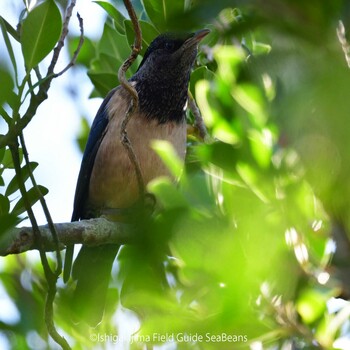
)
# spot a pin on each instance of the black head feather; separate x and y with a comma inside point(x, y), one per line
point(163, 75)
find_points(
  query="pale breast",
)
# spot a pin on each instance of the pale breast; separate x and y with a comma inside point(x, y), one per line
point(113, 182)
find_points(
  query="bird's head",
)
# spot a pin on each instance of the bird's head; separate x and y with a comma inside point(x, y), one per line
point(169, 50)
point(163, 76)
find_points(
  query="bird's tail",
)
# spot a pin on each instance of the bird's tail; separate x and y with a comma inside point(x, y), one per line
point(92, 270)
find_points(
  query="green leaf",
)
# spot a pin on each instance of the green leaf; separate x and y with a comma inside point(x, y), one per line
point(201, 73)
point(167, 193)
point(103, 82)
point(13, 185)
point(2, 154)
point(105, 64)
point(161, 11)
point(33, 197)
point(115, 14)
point(113, 44)
point(7, 222)
point(261, 143)
point(148, 34)
point(83, 134)
point(252, 100)
point(168, 154)
point(8, 45)
point(86, 53)
point(40, 32)
point(7, 161)
point(311, 304)
point(12, 31)
point(6, 86)
point(4, 205)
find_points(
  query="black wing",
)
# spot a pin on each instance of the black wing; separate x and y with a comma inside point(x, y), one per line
point(96, 135)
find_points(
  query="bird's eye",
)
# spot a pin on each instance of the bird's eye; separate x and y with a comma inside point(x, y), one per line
point(169, 45)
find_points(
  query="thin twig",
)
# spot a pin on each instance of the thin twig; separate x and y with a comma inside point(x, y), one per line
point(50, 297)
point(60, 44)
point(41, 96)
point(14, 148)
point(45, 208)
point(11, 138)
point(50, 277)
point(4, 114)
point(76, 52)
point(136, 48)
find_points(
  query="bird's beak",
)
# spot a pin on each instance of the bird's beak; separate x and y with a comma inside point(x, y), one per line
point(196, 37)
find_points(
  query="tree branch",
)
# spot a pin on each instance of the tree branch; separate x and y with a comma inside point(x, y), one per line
point(135, 98)
point(76, 52)
point(90, 232)
point(199, 129)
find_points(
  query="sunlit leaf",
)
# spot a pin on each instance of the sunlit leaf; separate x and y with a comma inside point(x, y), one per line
point(229, 59)
point(311, 304)
point(261, 144)
point(167, 193)
point(169, 156)
point(201, 73)
point(41, 30)
point(250, 98)
point(261, 48)
point(201, 93)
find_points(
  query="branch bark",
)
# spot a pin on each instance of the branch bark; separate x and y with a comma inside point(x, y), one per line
point(136, 49)
point(199, 129)
point(90, 232)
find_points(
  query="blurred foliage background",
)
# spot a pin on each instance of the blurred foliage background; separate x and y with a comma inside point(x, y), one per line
point(251, 249)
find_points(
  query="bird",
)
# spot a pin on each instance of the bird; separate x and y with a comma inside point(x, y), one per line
point(107, 182)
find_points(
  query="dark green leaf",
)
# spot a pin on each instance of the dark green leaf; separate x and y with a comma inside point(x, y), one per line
point(104, 82)
point(7, 159)
point(105, 64)
point(4, 205)
point(2, 154)
point(148, 34)
point(12, 31)
point(40, 32)
point(115, 14)
point(86, 53)
point(7, 222)
point(6, 85)
point(160, 12)
point(113, 44)
point(8, 45)
point(13, 185)
point(33, 197)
